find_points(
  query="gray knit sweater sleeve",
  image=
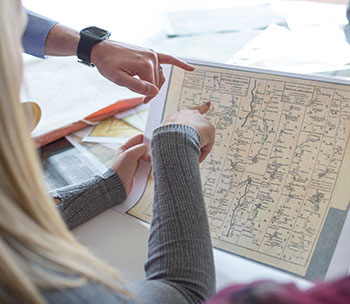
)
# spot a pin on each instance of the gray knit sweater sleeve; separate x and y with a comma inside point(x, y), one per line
point(83, 201)
point(180, 266)
point(180, 250)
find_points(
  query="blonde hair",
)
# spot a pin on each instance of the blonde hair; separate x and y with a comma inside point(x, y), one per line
point(35, 244)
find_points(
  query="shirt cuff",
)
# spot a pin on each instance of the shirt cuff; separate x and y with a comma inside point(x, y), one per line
point(35, 36)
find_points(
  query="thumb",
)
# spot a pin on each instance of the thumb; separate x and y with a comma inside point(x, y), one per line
point(137, 152)
point(150, 89)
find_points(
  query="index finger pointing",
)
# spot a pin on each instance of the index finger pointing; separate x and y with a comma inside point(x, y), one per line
point(167, 59)
point(203, 108)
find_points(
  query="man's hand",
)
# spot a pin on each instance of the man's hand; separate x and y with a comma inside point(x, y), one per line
point(120, 62)
point(127, 158)
point(127, 65)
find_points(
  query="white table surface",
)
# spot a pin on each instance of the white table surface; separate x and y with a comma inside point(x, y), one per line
point(121, 241)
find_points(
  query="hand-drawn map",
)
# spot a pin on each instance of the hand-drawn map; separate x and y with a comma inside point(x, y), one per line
point(277, 182)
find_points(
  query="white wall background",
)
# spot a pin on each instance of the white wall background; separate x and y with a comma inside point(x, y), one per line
point(131, 21)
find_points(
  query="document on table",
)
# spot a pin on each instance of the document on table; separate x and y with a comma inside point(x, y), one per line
point(61, 85)
point(276, 184)
point(121, 127)
point(65, 162)
point(112, 130)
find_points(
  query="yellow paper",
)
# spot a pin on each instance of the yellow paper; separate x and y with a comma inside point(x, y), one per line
point(113, 127)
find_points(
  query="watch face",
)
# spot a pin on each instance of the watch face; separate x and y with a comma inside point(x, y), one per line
point(97, 31)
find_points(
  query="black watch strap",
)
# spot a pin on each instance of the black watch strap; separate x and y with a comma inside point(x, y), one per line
point(88, 38)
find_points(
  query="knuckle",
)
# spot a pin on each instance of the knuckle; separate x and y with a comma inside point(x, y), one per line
point(117, 78)
point(154, 58)
point(148, 65)
point(153, 54)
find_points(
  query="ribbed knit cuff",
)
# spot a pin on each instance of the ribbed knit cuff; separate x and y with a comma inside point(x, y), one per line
point(83, 201)
point(176, 136)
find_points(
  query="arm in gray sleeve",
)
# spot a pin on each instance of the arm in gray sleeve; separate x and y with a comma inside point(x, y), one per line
point(179, 250)
point(35, 35)
point(83, 201)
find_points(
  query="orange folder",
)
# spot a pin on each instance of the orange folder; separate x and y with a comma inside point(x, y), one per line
point(102, 114)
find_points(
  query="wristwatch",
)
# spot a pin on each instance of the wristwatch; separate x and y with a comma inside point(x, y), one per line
point(90, 36)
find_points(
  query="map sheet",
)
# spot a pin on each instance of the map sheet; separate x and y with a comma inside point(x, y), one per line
point(277, 182)
point(111, 130)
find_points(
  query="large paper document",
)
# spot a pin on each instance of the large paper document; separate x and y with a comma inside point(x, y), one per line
point(61, 85)
point(277, 182)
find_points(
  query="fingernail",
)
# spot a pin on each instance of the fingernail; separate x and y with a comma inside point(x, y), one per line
point(152, 91)
point(192, 67)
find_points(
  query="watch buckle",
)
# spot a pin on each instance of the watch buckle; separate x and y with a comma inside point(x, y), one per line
point(89, 64)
